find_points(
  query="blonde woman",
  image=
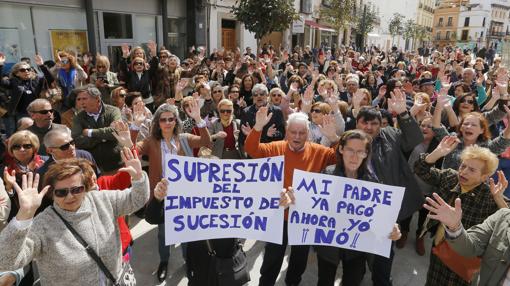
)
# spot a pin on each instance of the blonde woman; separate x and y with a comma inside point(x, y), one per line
point(104, 79)
point(225, 132)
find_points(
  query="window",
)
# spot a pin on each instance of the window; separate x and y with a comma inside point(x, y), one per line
point(466, 22)
point(447, 35)
point(306, 6)
point(464, 36)
point(117, 26)
point(438, 36)
point(450, 19)
point(177, 36)
point(440, 24)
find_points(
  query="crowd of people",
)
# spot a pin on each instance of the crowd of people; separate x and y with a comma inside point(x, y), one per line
point(436, 124)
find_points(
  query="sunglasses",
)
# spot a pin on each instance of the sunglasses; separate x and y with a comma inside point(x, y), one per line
point(234, 91)
point(101, 67)
point(163, 56)
point(229, 111)
point(24, 69)
point(138, 64)
point(276, 94)
point(24, 146)
point(468, 101)
point(167, 120)
point(217, 91)
point(64, 62)
point(66, 146)
point(43, 112)
point(316, 111)
point(62, 193)
point(122, 94)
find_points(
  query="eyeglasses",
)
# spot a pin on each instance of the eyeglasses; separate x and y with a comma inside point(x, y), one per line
point(66, 146)
point(429, 126)
point(350, 152)
point(468, 101)
point(24, 69)
point(101, 67)
point(316, 111)
point(167, 120)
point(163, 56)
point(122, 94)
point(138, 63)
point(18, 147)
point(62, 193)
point(43, 112)
point(229, 111)
point(234, 91)
point(259, 94)
point(276, 94)
point(64, 62)
point(217, 91)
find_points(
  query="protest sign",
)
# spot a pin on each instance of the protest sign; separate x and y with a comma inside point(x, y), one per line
point(208, 199)
point(342, 212)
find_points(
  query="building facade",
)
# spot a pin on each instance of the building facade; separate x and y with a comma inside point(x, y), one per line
point(473, 25)
point(499, 23)
point(446, 20)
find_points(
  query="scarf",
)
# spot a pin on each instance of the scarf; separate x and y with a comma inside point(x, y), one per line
point(66, 80)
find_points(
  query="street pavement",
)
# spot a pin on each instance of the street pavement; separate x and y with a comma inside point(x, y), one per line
point(408, 267)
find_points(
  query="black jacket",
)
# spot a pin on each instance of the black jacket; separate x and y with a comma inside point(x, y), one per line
point(248, 116)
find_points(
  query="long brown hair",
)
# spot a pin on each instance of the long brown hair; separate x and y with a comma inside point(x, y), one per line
point(484, 124)
point(350, 135)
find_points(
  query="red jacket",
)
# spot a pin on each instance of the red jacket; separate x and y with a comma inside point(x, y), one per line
point(119, 181)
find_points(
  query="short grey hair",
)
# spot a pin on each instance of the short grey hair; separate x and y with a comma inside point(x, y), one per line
point(471, 70)
point(259, 88)
point(39, 101)
point(90, 89)
point(298, 117)
point(49, 138)
point(176, 58)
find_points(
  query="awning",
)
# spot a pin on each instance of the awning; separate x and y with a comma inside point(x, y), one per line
point(319, 26)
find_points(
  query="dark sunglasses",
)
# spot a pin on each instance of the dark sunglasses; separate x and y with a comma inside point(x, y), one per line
point(19, 146)
point(62, 193)
point(276, 94)
point(229, 111)
point(44, 112)
point(66, 146)
point(64, 62)
point(101, 67)
point(316, 111)
point(468, 101)
point(138, 64)
point(234, 91)
point(122, 94)
point(167, 120)
point(217, 91)
point(24, 70)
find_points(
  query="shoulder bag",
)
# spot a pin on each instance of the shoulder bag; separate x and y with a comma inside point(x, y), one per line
point(228, 271)
point(127, 277)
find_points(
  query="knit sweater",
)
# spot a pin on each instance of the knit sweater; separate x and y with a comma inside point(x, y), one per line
point(62, 260)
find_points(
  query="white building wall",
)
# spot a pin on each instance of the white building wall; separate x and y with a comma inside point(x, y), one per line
point(408, 8)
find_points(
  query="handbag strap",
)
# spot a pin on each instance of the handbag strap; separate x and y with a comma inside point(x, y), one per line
point(209, 248)
point(89, 249)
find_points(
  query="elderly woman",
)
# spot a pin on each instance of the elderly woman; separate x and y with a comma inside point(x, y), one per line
point(166, 137)
point(319, 113)
point(225, 132)
point(104, 79)
point(165, 76)
point(137, 77)
point(24, 86)
point(69, 75)
point(48, 239)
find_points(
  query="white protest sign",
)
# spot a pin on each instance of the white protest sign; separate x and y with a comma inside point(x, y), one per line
point(208, 199)
point(342, 212)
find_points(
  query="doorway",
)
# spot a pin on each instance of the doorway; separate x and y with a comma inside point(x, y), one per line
point(228, 35)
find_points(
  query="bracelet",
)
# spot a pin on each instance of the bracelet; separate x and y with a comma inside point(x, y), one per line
point(201, 124)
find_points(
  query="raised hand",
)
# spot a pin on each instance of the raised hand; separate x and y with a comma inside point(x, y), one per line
point(242, 103)
point(397, 102)
point(28, 197)
point(181, 85)
point(9, 179)
point(160, 190)
point(132, 162)
point(328, 127)
point(38, 60)
point(443, 212)
point(357, 98)
point(125, 50)
point(246, 129)
point(382, 91)
point(271, 131)
point(506, 132)
point(498, 189)
point(443, 102)
point(139, 117)
point(195, 110)
point(152, 48)
point(287, 197)
point(121, 133)
point(308, 95)
point(447, 145)
point(57, 56)
point(262, 118)
point(395, 233)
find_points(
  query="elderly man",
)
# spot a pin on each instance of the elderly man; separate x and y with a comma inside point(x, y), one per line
point(60, 145)
point(469, 79)
point(390, 166)
point(92, 132)
point(352, 86)
point(300, 154)
point(274, 130)
point(41, 112)
point(479, 201)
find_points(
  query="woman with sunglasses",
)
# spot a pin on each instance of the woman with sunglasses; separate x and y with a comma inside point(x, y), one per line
point(165, 73)
point(225, 132)
point(213, 94)
point(239, 103)
point(69, 75)
point(92, 215)
point(24, 87)
point(104, 79)
point(166, 137)
point(137, 77)
point(321, 112)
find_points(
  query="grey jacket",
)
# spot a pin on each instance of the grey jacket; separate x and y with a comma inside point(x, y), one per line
point(218, 144)
point(390, 165)
point(491, 241)
point(61, 259)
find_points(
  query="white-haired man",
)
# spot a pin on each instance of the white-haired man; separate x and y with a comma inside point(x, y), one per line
point(300, 154)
